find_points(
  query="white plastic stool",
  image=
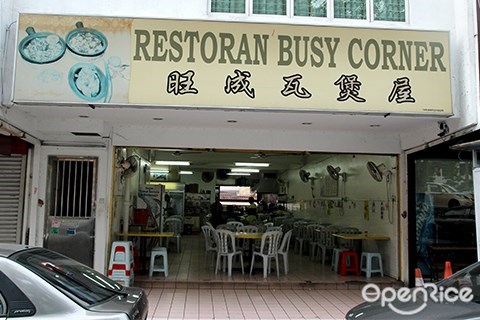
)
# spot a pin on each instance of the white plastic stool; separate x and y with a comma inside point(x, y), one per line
point(336, 257)
point(158, 251)
point(366, 263)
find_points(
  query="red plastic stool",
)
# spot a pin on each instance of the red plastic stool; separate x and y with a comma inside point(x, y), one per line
point(348, 263)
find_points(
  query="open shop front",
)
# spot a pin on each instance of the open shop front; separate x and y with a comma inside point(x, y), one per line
point(291, 190)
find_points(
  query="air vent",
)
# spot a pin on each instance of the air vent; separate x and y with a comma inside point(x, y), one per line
point(86, 134)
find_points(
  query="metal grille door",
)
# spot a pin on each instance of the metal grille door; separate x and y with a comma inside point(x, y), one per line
point(12, 186)
point(73, 185)
point(70, 224)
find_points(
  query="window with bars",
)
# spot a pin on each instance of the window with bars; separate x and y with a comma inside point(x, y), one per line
point(350, 9)
point(374, 10)
point(230, 6)
point(310, 8)
point(389, 10)
point(72, 185)
point(278, 7)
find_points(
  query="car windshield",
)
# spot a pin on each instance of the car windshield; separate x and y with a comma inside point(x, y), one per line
point(70, 276)
point(468, 277)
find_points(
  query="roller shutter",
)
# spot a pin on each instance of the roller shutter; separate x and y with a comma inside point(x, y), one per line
point(12, 185)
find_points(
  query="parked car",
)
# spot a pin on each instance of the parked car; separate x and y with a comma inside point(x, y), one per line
point(420, 309)
point(446, 197)
point(37, 283)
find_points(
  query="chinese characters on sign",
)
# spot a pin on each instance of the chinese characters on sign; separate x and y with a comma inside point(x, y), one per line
point(181, 83)
point(239, 83)
point(401, 91)
point(292, 86)
point(349, 86)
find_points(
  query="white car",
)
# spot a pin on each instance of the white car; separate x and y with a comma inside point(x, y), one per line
point(37, 283)
point(446, 197)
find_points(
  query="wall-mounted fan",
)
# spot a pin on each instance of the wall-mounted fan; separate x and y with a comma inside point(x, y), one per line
point(207, 176)
point(128, 166)
point(222, 174)
point(304, 175)
point(334, 173)
point(377, 171)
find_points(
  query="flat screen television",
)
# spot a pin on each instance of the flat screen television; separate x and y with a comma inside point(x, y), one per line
point(236, 193)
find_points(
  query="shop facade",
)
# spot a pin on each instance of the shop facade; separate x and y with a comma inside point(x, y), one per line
point(186, 75)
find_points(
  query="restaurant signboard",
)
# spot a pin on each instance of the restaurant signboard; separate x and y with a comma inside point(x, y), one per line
point(155, 62)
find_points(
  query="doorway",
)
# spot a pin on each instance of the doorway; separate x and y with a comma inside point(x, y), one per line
point(70, 207)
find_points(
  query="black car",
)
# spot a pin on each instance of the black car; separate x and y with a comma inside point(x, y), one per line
point(457, 297)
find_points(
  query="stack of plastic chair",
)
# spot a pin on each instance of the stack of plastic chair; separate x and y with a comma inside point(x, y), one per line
point(328, 241)
point(283, 249)
point(314, 236)
point(121, 266)
point(300, 232)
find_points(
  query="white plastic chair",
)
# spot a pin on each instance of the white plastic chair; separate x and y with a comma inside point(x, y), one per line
point(226, 248)
point(274, 228)
point(210, 244)
point(268, 250)
point(283, 250)
point(315, 239)
point(174, 225)
point(236, 224)
point(328, 241)
point(301, 236)
point(268, 224)
point(244, 244)
point(347, 244)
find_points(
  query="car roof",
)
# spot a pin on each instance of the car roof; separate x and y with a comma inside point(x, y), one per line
point(6, 249)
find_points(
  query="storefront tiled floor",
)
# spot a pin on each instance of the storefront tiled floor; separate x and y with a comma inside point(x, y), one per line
point(193, 290)
point(250, 303)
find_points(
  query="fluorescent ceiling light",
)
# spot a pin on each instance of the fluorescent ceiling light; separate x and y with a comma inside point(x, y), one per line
point(186, 172)
point(159, 171)
point(238, 174)
point(173, 163)
point(244, 170)
point(252, 164)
